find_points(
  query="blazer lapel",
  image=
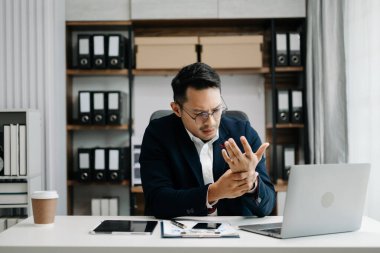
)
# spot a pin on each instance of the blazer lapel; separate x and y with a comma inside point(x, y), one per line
point(188, 150)
point(219, 165)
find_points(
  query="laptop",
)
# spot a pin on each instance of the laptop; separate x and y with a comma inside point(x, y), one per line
point(321, 199)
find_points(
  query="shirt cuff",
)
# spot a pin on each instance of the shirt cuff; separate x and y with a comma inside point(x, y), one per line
point(255, 184)
point(210, 205)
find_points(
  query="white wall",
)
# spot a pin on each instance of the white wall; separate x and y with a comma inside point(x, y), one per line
point(97, 10)
point(240, 92)
point(32, 75)
point(362, 40)
point(182, 9)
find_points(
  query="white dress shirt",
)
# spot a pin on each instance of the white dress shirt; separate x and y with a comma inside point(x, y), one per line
point(206, 156)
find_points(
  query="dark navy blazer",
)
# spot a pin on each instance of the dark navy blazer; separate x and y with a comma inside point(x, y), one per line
point(171, 171)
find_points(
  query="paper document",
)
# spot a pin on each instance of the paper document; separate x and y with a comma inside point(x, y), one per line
point(170, 230)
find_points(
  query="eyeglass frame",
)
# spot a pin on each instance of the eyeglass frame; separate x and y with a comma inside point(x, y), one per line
point(223, 106)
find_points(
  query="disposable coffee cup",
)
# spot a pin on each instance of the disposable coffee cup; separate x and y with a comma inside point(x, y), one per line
point(44, 204)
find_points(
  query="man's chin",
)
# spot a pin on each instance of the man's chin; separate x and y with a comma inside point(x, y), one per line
point(208, 135)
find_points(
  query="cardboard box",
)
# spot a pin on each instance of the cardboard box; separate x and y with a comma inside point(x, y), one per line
point(165, 52)
point(232, 51)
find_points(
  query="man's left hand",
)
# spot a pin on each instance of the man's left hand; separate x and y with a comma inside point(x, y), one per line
point(242, 162)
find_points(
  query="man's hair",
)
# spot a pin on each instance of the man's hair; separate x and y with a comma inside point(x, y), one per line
point(198, 76)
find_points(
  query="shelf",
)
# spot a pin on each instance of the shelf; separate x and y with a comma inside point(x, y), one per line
point(96, 127)
point(75, 183)
point(229, 71)
point(14, 206)
point(97, 72)
point(97, 23)
point(13, 178)
point(137, 189)
point(290, 69)
point(283, 125)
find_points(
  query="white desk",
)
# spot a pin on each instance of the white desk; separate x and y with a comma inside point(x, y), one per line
point(71, 234)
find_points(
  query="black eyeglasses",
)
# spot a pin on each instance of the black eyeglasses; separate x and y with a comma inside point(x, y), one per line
point(202, 117)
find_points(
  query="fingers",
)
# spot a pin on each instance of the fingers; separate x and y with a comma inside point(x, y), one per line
point(226, 158)
point(260, 152)
point(246, 146)
point(233, 149)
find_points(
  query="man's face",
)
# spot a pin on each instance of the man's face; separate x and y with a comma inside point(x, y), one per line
point(194, 112)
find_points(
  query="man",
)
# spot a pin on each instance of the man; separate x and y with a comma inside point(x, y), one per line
point(198, 161)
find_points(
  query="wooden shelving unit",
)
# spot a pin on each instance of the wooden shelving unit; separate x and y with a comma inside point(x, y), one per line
point(76, 182)
point(82, 132)
point(97, 72)
point(275, 77)
point(96, 127)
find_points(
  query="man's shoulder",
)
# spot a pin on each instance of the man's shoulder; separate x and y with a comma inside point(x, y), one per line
point(165, 123)
point(231, 122)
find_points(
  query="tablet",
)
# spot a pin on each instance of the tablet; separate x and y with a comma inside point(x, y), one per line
point(125, 227)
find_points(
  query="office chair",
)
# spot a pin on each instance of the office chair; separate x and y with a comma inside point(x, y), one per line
point(239, 115)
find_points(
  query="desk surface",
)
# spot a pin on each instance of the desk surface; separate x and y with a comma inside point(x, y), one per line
point(71, 234)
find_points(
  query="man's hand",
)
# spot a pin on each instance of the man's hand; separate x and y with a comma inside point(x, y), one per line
point(241, 176)
point(238, 161)
point(231, 185)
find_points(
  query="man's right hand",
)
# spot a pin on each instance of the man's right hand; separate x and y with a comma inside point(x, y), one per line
point(231, 185)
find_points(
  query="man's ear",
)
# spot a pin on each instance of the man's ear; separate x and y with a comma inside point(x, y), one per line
point(176, 109)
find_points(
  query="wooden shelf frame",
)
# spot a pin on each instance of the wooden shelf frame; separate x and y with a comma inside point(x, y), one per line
point(72, 182)
point(97, 72)
point(73, 127)
point(73, 28)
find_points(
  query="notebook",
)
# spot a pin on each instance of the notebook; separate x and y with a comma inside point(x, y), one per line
point(321, 199)
point(125, 227)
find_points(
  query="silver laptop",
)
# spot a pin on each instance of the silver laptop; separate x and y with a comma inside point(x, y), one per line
point(321, 199)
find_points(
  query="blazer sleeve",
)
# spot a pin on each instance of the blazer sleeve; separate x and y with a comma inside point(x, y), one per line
point(162, 200)
point(262, 202)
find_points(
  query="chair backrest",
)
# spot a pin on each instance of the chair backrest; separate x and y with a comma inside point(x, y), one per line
point(159, 114)
point(233, 114)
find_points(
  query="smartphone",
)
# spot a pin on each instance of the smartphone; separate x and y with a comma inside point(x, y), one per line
point(207, 225)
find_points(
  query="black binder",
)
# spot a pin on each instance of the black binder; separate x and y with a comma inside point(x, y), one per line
point(84, 51)
point(99, 51)
point(100, 162)
point(294, 49)
point(281, 49)
point(117, 107)
point(289, 157)
point(84, 164)
point(1, 153)
point(84, 107)
point(117, 164)
point(117, 45)
point(98, 107)
point(297, 106)
point(282, 106)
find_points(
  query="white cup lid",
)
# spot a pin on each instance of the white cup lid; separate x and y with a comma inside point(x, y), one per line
point(45, 195)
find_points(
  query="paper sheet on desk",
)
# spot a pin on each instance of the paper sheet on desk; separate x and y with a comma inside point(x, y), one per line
point(168, 230)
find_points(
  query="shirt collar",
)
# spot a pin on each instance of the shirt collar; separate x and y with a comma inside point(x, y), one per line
point(199, 141)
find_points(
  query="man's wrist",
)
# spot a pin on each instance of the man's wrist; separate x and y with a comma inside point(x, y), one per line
point(255, 183)
point(212, 193)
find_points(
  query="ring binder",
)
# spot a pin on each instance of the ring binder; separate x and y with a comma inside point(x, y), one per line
point(85, 107)
point(84, 51)
point(281, 49)
point(99, 55)
point(84, 164)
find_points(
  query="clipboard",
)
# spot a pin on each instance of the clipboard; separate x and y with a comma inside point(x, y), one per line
point(125, 227)
point(169, 230)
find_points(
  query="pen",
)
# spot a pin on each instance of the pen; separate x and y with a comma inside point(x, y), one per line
point(178, 224)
